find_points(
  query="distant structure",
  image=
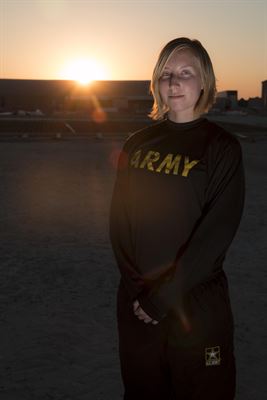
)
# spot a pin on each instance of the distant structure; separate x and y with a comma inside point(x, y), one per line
point(113, 99)
point(56, 97)
point(18, 95)
point(264, 94)
point(255, 103)
point(226, 100)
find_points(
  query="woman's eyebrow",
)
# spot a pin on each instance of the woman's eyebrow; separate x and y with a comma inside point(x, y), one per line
point(181, 66)
point(186, 66)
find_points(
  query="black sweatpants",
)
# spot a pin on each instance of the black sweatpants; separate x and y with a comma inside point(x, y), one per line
point(170, 361)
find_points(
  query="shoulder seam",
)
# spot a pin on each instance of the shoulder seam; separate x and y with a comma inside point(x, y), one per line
point(139, 132)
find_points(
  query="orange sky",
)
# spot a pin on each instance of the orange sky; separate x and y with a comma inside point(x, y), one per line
point(39, 39)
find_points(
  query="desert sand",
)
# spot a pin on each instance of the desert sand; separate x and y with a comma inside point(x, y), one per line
point(58, 281)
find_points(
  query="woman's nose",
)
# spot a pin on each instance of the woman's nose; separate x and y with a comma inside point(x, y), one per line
point(174, 80)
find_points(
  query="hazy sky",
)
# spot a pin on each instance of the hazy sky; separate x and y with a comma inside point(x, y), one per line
point(39, 38)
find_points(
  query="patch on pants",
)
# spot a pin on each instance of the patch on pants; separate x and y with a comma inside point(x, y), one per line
point(212, 356)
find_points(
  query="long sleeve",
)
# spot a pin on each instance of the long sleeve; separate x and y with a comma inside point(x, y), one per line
point(120, 228)
point(212, 235)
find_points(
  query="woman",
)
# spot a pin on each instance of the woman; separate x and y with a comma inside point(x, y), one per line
point(176, 206)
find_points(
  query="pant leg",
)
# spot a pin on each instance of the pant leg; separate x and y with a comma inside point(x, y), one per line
point(201, 359)
point(142, 350)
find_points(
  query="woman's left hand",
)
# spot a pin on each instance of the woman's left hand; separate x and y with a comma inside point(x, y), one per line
point(140, 313)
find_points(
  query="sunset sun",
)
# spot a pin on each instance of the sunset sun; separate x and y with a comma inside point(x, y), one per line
point(84, 71)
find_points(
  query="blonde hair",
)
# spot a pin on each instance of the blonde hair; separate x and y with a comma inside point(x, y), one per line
point(208, 93)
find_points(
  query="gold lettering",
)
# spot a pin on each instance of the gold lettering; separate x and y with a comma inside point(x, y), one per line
point(188, 165)
point(136, 158)
point(151, 157)
point(170, 164)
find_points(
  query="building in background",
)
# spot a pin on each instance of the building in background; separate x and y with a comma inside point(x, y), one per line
point(115, 99)
point(264, 94)
point(255, 104)
point(226, 100)
point(60, 97)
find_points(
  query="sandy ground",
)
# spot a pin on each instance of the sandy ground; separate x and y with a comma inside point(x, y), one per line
point(58, 281)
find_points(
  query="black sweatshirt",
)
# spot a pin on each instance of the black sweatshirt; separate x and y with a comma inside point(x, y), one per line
point(177, 202)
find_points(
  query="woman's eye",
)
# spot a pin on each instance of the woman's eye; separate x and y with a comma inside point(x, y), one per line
point(165, 75)
point(186, 73)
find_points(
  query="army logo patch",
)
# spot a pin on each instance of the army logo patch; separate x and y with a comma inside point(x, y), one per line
point(212, 356)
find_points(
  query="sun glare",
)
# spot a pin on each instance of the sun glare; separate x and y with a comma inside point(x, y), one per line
point(84, 71)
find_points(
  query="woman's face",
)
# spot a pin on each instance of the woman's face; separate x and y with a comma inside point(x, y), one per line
point(180, 86)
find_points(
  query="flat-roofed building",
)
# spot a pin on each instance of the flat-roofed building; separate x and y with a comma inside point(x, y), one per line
point(255, 103)
point(227, 100)
point(264, 93)
point(55, 96)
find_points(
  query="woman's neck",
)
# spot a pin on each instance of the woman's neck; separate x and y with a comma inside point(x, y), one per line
point(178, 118)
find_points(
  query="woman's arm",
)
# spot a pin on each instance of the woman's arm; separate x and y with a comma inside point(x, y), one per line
point(120, 229)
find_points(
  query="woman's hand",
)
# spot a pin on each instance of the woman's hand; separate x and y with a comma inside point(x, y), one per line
point(140, 313)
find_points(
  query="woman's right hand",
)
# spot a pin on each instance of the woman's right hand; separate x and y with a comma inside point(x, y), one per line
point(140, 313)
